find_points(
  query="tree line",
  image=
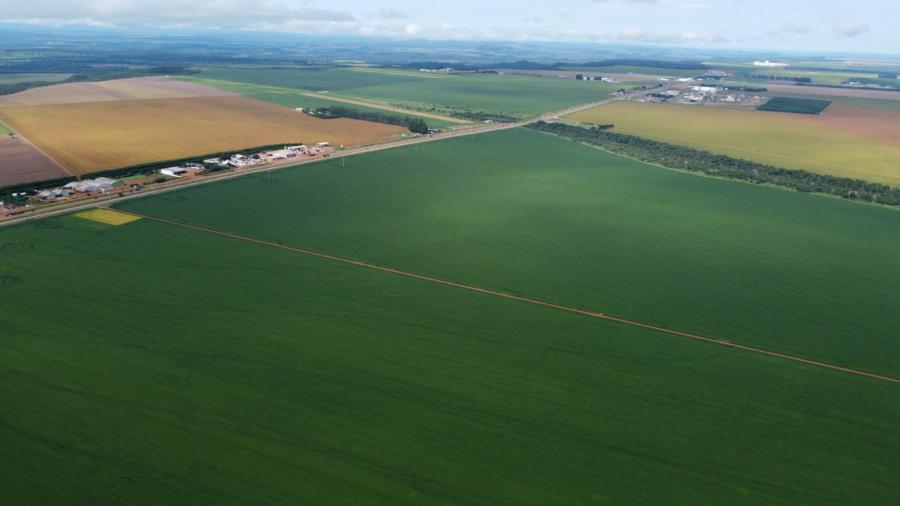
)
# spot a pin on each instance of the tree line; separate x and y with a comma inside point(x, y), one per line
point(415, 125)
point(704, 162)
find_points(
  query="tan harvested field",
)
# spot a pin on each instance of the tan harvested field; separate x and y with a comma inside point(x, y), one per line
point(849, 139)
point(94, 136)
point(21, 163)
point(138, 88)
point(871, 120)
point(833, 92)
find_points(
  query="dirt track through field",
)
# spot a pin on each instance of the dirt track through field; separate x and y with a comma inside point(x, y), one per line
point(384, 107)
point(504, 295)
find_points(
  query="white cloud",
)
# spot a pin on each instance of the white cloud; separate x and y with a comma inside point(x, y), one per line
point(390, 14)
point(809, 24)
point(851, 28)
point(792, 27)
point(185, 13)
point(625, 1)
point(639, 34)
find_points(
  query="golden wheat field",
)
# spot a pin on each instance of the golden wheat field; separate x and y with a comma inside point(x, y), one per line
point(95, 136)
point(844, 141)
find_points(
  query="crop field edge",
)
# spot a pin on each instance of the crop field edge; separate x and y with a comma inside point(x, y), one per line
point(723, 178)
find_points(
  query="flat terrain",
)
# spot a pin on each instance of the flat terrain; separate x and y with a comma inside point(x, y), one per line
point(834, 92)
point(827, 77)
point(30, 77)
point(382, 107)
point(506, 94)
point(21, 163)
point(570, 74)
point(294, 98)
point(876, 120)
point(553, 220)
point(215, 370)
point(94, 136)
point(139, 88)
point(651, 71)
point(840, 142)
point(328, 79)
point(795, 105)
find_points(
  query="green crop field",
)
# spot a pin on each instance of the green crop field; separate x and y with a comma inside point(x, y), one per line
point(326, 79)
point(4, 129)
point(827, 77)
point(293, 98)
point(150, 363)
point(551, 219)
point(174, 366)
point(508, 94)
point(827, 144)
point(511, 94)
point(795, 105)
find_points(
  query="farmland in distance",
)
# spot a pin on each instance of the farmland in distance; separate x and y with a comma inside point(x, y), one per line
point(297, 98)
point(515, 95)
point(93, 136)
point(841, 142)
point(138, 88)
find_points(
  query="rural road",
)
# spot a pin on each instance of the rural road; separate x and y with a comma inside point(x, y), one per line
point(107, 200)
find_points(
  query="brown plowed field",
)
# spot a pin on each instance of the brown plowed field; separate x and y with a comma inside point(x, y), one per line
point(94, 136)
point(881, 124)
point(21, 163)
point(139, 88)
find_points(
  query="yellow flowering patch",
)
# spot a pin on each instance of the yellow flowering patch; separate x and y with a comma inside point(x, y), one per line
point(108, 216)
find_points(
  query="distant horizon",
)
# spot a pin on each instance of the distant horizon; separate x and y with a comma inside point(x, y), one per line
point(729, 52)
point(800, 25)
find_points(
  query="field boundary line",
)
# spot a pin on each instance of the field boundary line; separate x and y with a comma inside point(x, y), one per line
point(384, 107)
point(520, 298)
point(26, 140)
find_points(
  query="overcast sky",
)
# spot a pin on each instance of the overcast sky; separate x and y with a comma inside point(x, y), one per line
point(832, 25)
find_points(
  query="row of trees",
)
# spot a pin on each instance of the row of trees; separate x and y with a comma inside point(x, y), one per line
point(694, 160)
point(415, 125)
point(495, 117)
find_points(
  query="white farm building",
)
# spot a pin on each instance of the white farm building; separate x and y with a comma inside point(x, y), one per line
point(92, 185)
point(173, 171)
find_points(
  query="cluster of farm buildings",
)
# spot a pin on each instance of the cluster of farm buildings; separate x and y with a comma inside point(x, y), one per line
point(688, 91)
point(585, 77)
point(239, 161)
point(102, 185)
